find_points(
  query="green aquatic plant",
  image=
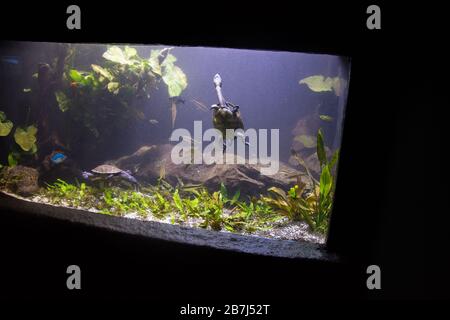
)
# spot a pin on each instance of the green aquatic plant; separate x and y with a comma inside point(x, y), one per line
point(325, 117)
point(119, 56)
point(173, 76)
point(110, 97)
point(312, 203)
point(63, 101)
point(218, 211)
point(13, 159)
point(306, 140)
point(211, 207)
point(213, 210)
point(319, 83)
point(64, 193)
point(5, 125)
point(26, 138)
point(5, 128)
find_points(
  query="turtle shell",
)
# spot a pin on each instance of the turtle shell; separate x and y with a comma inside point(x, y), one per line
point(106, 169)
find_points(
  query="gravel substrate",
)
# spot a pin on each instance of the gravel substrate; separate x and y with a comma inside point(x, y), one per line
point(283, 230)
point(292, 231)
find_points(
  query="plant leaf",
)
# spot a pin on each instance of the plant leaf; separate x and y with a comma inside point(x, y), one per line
point(177, 201)
point(321, 154)
point(12, 159)
point(176, 81)
point(279, 192)
point(113, 87)
point(102, 71)
point(154, 62)
point(319, 83)
point(324, 117)
point(5, 125)
point(5, 128)
point(306, 140)
point(75, 75)
point(169, 60)
point(235, 197)
point(223, 191)
point(325, 182)
point(63, 101)
point(334, 159)
point(117, 55)
point(25, 138)
point(173, 76)
point(130, 52)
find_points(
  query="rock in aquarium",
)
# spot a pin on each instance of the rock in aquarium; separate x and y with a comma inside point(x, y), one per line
point(21, 180)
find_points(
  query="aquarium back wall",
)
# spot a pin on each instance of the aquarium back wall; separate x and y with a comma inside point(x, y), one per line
point(264, 83)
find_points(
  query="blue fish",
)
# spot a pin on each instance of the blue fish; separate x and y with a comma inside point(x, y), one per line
point(10, 60)
point(58, 157)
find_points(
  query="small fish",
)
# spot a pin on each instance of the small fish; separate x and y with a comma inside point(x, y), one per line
point(153, 121)
point(324, 117)
point(10, 60)
point(191, 187)
point(58, 158)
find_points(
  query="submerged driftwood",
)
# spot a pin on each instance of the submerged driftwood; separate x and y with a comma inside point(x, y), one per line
point(149, 162)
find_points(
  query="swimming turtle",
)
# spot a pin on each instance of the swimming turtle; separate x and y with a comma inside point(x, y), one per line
point(225, 114)
point(108, 171)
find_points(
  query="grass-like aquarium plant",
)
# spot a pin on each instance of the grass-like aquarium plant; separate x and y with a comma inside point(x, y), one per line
point(311, 202)
point(212, 210)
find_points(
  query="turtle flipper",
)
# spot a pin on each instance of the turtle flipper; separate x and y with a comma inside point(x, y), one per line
point(127, 176)
point(242, 137)
point(86, 175)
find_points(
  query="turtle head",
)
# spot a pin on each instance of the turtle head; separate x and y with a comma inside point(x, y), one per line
point(217, 80)
point(86, 175)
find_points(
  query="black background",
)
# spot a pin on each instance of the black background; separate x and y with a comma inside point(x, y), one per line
point(391, 198)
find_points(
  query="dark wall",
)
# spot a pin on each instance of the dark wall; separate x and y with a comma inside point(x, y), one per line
point(390, 205)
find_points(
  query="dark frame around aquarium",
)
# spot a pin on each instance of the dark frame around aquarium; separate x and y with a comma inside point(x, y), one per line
point(249, 31)
point(390, 148)
point(301, 250)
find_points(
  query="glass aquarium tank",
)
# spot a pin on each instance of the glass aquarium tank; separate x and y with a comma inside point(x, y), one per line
point(230, 140)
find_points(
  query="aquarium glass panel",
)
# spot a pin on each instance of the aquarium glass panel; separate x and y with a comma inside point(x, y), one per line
point(229, 140)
